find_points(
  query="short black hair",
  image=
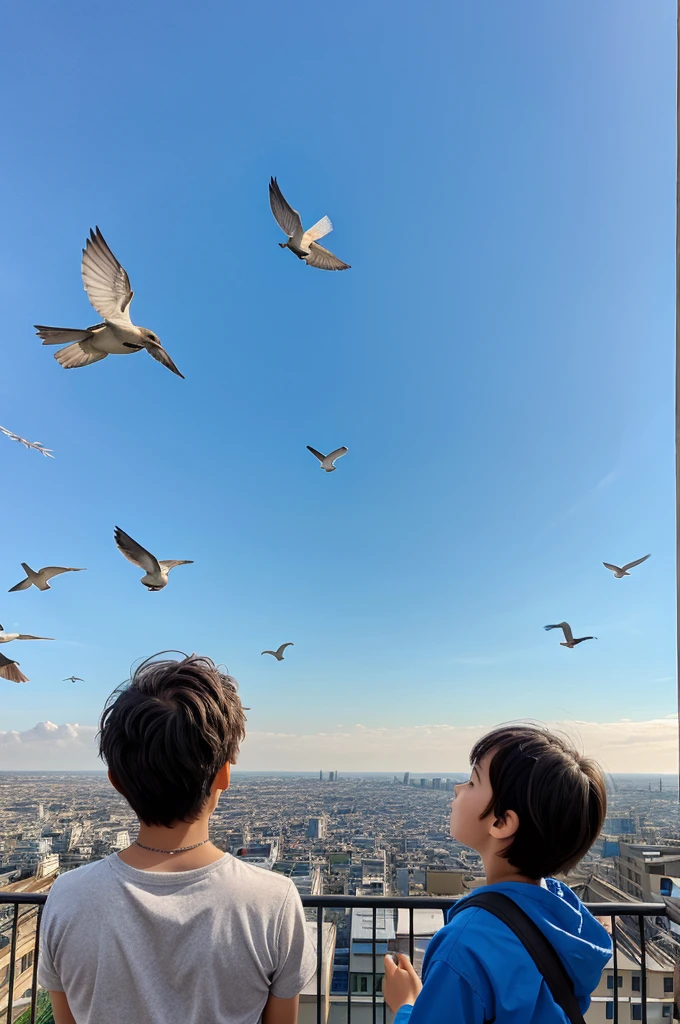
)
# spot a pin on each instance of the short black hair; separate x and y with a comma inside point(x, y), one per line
point(559, 796)
point(167, 732)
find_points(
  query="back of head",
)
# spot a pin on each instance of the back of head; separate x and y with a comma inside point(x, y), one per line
point(167, 732)
point(559, 796)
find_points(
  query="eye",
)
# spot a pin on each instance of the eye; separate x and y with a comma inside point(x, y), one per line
point(151, 336)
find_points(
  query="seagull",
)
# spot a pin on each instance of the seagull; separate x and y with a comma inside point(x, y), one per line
point(278, 654)
point(620, 572)
point(156, 572)
point(10, 670)
point(570, 640)
point(5, 638)
point(328, 460)
point(39, 579)
point(47, 452)
point(301, 242)
point(108, 289)
point(73, 679)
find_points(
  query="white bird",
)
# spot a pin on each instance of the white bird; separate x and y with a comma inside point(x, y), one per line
point(570, 640)
point(47, 452)
point(6, 638)
point(303, 243)
point(621, 571)
point(10, 670)
point(108, 289)
point(328, 460)
point(156, 572)
point(278, 654)
point(39, 579)
point(73, 679)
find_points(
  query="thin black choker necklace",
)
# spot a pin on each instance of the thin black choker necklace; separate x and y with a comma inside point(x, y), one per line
point(180, 849)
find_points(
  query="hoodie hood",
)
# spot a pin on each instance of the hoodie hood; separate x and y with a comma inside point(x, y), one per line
point(583, 944)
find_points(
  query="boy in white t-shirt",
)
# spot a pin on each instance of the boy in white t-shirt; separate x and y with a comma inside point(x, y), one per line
point(172, 930)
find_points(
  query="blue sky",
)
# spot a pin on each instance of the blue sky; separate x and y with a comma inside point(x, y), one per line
point(499, 359)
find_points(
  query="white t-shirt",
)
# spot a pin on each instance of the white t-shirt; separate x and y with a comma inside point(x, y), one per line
point(179, 947)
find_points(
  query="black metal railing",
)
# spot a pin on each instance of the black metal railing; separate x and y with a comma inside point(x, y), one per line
point(12, 903)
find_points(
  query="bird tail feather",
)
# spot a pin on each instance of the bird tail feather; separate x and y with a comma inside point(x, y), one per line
point(59, 335)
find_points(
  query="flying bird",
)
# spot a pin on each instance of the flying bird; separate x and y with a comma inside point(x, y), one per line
point(5, 638)
point(328, 460)
point(108, 289)
point(278, 654)
point(569, 639)
point(303, 243)
point(39, 579)
point(10, 670)
point(156, 572)
point(73, 679)
point(621, 571)
point(47, 452)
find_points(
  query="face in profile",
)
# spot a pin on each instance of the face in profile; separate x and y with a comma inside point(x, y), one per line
point(471, 800)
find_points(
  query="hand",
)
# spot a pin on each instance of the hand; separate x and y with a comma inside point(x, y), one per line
point(401, 984)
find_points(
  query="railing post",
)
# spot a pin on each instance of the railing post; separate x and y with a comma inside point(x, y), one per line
point(615, 950)
point(643, 966)
point(36, 955)
point(12, 960)
point(319, 961)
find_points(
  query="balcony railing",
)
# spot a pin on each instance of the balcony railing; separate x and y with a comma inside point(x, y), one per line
point(20, 915)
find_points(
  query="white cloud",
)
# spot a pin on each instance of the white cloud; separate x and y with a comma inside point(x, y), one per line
point(623, 746)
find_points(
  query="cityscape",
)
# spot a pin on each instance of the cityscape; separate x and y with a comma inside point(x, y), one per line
point(344, 835)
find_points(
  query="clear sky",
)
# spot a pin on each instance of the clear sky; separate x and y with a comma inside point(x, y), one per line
point(499, 361)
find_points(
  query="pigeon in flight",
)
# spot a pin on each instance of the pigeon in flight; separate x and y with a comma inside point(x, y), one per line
point(156, 572)
point(6, 638)
point(39, 579)
point(621, 571)
point(108, 289)
point(73, 679)
point(569, 639)
point(303, 243)
point(10, 670)
point(28, 444)
point(278, 654)
point(328, 460)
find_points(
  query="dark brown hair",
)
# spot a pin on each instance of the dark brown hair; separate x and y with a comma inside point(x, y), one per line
point(559, 797)
point(167, 732)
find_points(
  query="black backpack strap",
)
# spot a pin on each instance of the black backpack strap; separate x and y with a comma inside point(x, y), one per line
point(536, 944)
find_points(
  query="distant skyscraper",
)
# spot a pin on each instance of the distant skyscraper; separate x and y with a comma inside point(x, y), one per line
point(316, 828)
point(423, 783)
point(660, 785)
point(407, 778)
point(321, 775)
point(436, 783)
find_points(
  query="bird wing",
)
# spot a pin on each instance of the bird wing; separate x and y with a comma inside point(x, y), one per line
point(24, 585)
point(273, 653)
point(283, 647)
point(106, 282)
point(10, 670)
point(158, 352)
point(134, 552)
point(55, 570)
point(638, 561)
point(614, 568)
point(319, 456)
point(318, 230)
point(27, 636)
point(28, 444)
point(286, 217)
point(566, 629)
point(337, 454)
point(170, 563)
point(323, 259)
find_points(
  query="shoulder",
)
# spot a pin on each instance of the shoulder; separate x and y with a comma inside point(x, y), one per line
point(259, 884)
point(66, 886)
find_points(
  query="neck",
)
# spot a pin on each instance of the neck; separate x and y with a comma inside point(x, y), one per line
point(498, 870)
point(182, 833)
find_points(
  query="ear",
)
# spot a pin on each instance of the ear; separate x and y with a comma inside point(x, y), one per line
point(223, 778)
point(505, 827)
point(113, 781)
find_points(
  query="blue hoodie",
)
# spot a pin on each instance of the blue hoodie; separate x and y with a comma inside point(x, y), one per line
point(475, 969)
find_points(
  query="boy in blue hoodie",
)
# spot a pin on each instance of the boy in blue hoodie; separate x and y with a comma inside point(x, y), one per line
point(531, 808)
